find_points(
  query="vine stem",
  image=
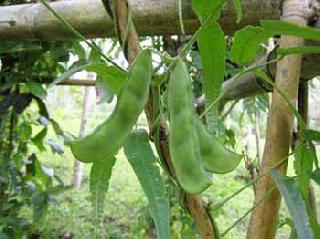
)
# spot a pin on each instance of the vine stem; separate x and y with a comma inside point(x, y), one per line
point(248, 212)
point(220, 204)
point(78, 35)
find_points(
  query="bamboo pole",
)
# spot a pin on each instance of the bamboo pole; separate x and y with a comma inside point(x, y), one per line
point(194, 203)
point(152, 17)
point(263, 220)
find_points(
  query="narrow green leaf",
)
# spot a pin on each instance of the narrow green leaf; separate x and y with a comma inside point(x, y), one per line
point(212, 47)
point(246, 44)
point(203, 8)
point(113, 75)
point(279, 27)
point(99, 183)
point(303, 163)
point(295, 204)
point(143, 162)
point(298, 50)
point(238, 7)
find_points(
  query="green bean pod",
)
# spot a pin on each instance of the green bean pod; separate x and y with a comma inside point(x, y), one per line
point(216, 158)
point(107, 138)
point(183, 143)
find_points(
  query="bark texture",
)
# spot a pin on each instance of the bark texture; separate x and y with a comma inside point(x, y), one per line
point(279, 128)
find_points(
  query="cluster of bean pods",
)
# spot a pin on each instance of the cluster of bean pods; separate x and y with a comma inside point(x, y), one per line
point(194, 151)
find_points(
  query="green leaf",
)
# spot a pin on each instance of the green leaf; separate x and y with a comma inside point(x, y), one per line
point(212, 47)
point(203, 8)
point(295, 204)
point(313, 135)
point(279, 27)
point(143, 162)
point(304, 158)
point(113, 75)
point(238, 7)
point(315, 176)
point(36, 89)
point(99, 183)
point(40, 178)
point(298, 50)
point(38, 139)
point(246, 44)
point(110, 74)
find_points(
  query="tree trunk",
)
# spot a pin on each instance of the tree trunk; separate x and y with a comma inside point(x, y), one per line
point(263, 220)
point(78, 167)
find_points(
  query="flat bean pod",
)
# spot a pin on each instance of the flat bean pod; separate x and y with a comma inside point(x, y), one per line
point(108, 137)
point(216, 158)
point(183, 143)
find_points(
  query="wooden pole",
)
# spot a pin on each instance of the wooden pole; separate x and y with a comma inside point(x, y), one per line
point(264, 218)
point(152, 17)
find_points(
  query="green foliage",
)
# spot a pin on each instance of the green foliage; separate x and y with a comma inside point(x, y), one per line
point(313, 135)
point(295, 204)
point(279, 27)
point(298, 50)
point(110, 75)
point(204, 8)
point(99, 183)
point(305, 157)
point(143, 161)
point(212, 47)
point(246, 44)
point(247, 40)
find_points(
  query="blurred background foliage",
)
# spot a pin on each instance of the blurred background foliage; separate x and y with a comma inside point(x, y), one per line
point(37, 199)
